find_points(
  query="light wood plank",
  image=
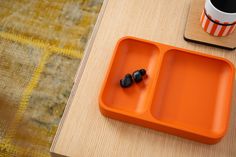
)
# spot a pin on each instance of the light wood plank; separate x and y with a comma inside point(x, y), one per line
point(85, 132)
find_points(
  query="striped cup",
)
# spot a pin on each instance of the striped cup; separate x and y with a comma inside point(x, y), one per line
point(217, 22)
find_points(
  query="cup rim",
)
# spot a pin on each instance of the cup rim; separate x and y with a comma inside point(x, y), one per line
point(232, 14)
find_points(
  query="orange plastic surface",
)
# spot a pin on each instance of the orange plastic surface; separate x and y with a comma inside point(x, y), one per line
point(186, 93)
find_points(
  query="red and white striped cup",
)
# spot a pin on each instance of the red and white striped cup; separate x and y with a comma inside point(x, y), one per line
point(217, 22)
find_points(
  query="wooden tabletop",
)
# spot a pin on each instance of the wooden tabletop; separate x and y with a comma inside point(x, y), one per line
point(85, 132)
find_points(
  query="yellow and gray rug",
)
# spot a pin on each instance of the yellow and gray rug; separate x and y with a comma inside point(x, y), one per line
point(41, 45)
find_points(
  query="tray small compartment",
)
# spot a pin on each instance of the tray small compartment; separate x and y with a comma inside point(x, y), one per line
point(130, 55)
point(193, 93)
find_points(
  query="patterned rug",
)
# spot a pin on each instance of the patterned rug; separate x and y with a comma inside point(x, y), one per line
point(41, 45)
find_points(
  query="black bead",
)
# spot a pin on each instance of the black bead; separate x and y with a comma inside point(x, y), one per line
point(128, 76)
point(127, 81)
point(137, 76)
point(142, 71)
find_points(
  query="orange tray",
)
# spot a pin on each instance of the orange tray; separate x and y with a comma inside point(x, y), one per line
point(186, 93)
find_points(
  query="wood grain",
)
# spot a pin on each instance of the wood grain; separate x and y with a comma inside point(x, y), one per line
point(85, 132)
point(194, 31)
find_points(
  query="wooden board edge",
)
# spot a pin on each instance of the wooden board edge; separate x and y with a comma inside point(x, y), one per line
point(77, 78)
point(208, 44)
